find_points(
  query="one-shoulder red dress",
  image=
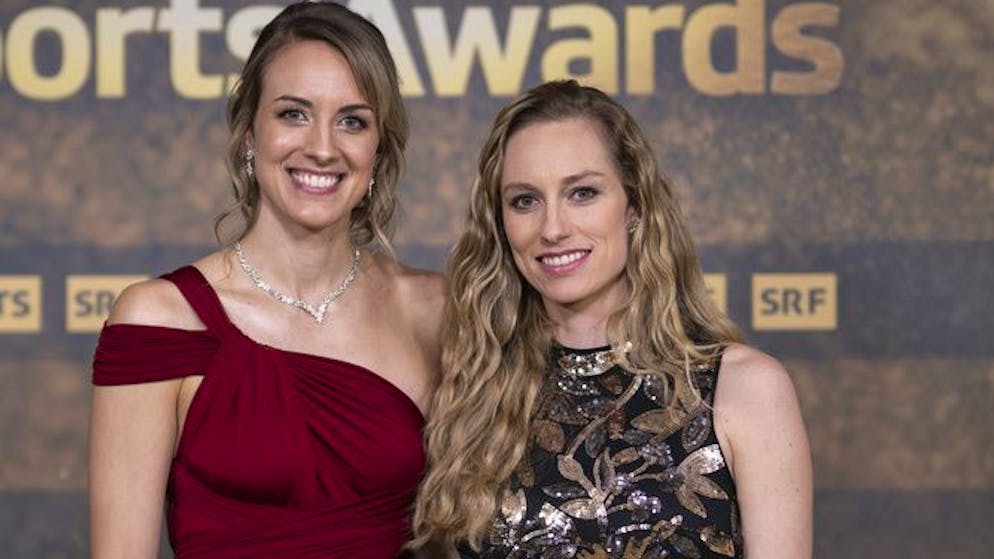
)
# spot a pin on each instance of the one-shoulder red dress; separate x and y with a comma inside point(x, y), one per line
point(282, 454)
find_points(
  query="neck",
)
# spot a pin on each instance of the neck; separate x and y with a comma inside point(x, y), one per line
point(303, 265)
point(582, 332)
point(583, 324)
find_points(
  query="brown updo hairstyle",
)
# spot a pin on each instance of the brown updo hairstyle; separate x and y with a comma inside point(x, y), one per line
point(365, 49)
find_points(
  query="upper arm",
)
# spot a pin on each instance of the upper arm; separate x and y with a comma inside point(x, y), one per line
point(133, 430)
point(132, 435)
point(757, 411)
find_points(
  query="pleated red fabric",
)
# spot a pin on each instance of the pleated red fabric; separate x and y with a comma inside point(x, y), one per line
point(283, 454)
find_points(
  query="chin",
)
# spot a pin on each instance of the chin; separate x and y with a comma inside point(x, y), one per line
point(320, 219)
point(562, 297)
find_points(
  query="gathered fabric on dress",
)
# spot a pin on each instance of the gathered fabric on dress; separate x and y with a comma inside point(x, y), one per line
point(615, 470)
point(282, 454)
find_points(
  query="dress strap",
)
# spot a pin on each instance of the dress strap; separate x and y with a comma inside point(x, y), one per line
point(705, 376)
point(201, 296)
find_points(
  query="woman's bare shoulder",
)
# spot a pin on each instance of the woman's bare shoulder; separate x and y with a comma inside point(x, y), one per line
point(747, 375)
point(418, 297)
point(416, 287)
point(158, 302)
point(429, 285)
point(755, 400)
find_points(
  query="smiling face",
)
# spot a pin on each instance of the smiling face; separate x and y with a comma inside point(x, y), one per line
point(314, 137)
point(565, 215)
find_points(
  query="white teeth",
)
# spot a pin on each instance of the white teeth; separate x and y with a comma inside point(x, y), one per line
point(563, 259)
point(312, 180)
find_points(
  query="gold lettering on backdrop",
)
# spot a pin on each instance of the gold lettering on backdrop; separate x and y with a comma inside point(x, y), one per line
point(450, 66)
point(601, 49)
point(243, 28)
point(113, 27)
point(794, 302)
point(184, 21)
point(747, 18)
point(20, 304)
point(641, 26)
point(824, 55)
point(22, 70)
point(383, 14)
point(451, 58)
point(89, 299)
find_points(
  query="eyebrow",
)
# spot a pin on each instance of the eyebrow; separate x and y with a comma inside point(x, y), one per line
point(566, 180)
point(345, 109)
point(581, 175)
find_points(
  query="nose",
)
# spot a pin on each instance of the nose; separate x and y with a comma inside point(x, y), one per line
point(321, 146)
point(555, 225)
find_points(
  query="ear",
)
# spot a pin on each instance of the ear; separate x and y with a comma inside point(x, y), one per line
point(631, 219)
point(631, 213)
point(248, 142)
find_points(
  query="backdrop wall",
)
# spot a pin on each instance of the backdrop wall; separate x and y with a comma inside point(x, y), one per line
point(834, 160)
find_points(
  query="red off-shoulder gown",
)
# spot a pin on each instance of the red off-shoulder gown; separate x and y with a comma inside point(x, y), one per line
point(282, 454)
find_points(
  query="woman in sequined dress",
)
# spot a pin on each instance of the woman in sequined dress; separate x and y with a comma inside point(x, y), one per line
point(594, 402)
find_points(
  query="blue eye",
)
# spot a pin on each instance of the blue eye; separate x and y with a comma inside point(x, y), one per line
point(292, 114)
point(353, 122)
point(584, 193)
point(523, 202)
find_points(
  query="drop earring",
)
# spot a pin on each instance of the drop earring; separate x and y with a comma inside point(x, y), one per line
point(250, 163)
point(369, 188)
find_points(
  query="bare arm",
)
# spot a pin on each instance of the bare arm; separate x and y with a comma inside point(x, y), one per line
point(133, 431)
point(759, 417)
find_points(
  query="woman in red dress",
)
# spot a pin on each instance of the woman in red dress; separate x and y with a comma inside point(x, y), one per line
point(270, 396)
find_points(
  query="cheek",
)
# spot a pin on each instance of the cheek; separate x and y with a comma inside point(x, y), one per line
point(516, 231)
point(623, 248)
point(613, 229)
point(274, 143)
point(362, 149)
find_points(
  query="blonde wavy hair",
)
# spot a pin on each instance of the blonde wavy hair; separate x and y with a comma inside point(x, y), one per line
point(497, 336)
point(365, 49)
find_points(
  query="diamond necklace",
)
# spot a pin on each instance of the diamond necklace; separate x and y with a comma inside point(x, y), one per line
point(318, 313)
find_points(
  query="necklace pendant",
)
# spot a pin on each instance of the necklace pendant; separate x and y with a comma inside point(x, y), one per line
point(316, 313)
point(319, 313)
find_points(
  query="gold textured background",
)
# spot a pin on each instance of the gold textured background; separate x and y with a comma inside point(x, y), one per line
point(888, 182)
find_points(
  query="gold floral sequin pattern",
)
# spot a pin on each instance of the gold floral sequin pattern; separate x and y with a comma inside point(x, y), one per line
point(613, 472)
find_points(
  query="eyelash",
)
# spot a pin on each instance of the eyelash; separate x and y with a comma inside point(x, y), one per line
point(360, 124)
point(291, 114)
point(297, 115)
point(580, 194)
point(588, 191)
point(515, 202)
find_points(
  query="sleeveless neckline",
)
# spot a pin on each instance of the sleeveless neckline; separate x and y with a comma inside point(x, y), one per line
point(613, 466)
point(289, 352)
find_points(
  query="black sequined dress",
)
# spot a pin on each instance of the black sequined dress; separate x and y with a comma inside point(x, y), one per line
point(613, 473)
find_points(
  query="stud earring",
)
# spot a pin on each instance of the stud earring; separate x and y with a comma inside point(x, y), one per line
point(250, 163)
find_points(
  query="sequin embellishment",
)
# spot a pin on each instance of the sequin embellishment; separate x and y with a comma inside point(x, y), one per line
point(613, 471)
